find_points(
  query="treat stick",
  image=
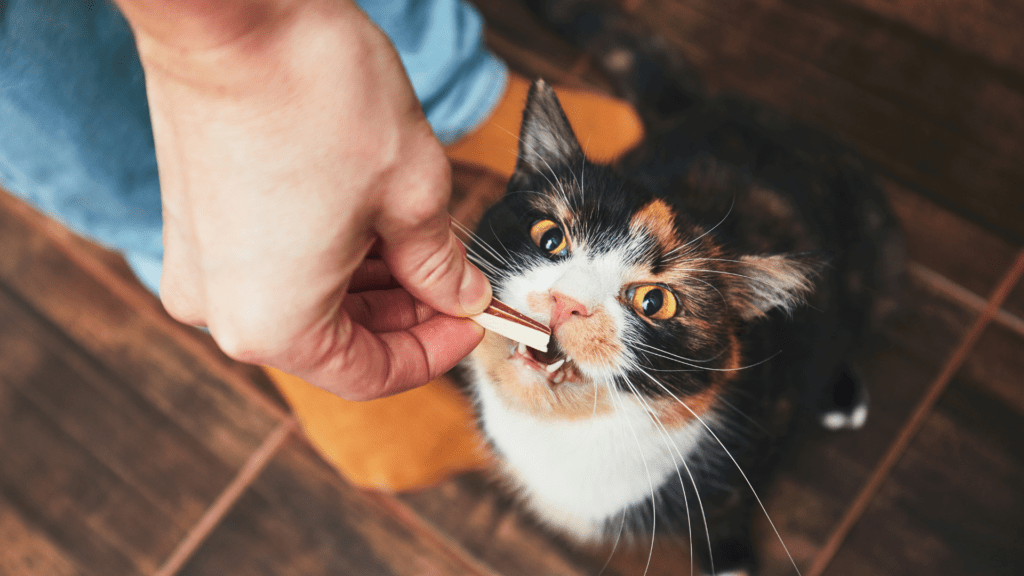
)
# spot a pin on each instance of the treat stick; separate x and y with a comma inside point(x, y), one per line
point(500, 318)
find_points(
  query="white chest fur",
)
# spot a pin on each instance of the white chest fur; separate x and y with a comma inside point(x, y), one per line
point(577, 474)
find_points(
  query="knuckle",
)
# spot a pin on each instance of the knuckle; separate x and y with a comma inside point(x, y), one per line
point(435, 268)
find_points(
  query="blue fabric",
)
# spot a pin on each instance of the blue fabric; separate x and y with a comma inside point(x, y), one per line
point(75, 137)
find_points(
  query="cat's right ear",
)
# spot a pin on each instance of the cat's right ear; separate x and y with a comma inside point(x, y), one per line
point(546, 139)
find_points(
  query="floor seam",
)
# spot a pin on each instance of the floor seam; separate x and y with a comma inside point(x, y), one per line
point(246, 475)
point(924, 407)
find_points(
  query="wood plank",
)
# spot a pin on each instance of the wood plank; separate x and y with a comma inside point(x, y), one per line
point(948, 244)
point(514, 34)
point(1015, 301)
point(929, 155)
point(145, 354)
point(301, 518)
point(86, 510)
point(927, 79)
point(107, 417)
point(27, 550)
point(996, 365)
point(484, 520)
point(989, 28)
point(953, 505)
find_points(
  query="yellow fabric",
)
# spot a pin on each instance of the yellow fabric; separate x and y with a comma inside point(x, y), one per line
point(605, 127)
point(393, 444)
point(420, 437)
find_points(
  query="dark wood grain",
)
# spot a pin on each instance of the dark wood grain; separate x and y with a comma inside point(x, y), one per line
point(954, 504)
point(107, 417)
point(533, 51)
point(947, 243)
point(1015, 301)
point(818, 67)
point(989, 28)
point(300, 518)
point(144, 353)
point(997, 366)
point(27, 550)
point(486, 522)
point(71, 452)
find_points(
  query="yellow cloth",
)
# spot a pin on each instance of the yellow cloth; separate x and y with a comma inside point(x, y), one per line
point(420, 437)
point(398, 443)
point(604, 126)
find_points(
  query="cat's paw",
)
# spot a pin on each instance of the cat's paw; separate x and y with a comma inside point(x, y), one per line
point(844, 406)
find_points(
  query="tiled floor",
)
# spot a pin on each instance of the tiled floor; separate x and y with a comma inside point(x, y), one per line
point(130, 445)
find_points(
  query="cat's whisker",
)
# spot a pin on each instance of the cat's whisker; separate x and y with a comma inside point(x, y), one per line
point(650, 484)
point(615, 544)
point(722, 272)
point(480, 242)
point(735, 463)
point(502, 244)
point(638, 342)
point(673, 452)
point(669, 356)
point(720, 222)
point(483, 263)
point(712, 286)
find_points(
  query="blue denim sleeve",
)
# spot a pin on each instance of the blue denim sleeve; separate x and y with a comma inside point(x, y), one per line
point(75, 137)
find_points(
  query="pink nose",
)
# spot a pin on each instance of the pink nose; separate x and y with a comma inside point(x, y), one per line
point(564, 309)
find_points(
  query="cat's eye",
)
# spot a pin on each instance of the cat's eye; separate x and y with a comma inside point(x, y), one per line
point(548, 236)
point(653, 301)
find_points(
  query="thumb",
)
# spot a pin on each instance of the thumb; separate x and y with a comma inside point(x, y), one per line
point(430, 262)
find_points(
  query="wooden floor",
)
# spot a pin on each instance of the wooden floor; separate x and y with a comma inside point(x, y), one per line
point(130, 445)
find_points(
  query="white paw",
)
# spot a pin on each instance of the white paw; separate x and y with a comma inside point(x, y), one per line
point(841, 420)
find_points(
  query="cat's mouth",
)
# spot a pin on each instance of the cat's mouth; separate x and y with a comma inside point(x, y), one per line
point(554, 365)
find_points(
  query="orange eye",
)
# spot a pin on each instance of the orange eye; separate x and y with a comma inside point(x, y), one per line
point(548, 236)
point(653, 301)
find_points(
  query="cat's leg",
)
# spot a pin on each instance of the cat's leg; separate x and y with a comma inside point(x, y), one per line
point(844, 403)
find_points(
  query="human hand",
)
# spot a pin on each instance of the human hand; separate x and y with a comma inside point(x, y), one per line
point(289, 141)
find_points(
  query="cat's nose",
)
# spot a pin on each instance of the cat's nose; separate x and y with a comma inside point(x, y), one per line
point(564, 308)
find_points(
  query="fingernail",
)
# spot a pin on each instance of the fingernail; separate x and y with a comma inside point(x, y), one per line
point(474, 291)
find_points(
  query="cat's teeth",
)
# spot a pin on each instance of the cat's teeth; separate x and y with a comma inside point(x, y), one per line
point(552, 367)
point(522, 349)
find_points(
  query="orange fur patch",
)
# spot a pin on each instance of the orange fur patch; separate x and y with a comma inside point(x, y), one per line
point(673, 414)
point(658, 220)
point(591, 339)
point(529, 392)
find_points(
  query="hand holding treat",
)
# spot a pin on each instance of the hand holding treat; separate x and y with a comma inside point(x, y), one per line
point(289, 142)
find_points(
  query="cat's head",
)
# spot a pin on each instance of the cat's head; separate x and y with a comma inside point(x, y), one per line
point(642, 302)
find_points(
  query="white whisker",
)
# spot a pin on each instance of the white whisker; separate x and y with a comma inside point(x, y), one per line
point(735, 463)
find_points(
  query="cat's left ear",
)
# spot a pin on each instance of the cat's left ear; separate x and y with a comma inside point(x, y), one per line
point(777, 281)
point(546, 139)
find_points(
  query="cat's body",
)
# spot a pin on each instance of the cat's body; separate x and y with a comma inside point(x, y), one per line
point(699, 294)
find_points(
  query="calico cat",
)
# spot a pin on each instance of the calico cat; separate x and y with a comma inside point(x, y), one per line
point(699, 292)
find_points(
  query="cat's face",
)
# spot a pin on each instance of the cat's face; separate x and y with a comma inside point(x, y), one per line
point(643, 304)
